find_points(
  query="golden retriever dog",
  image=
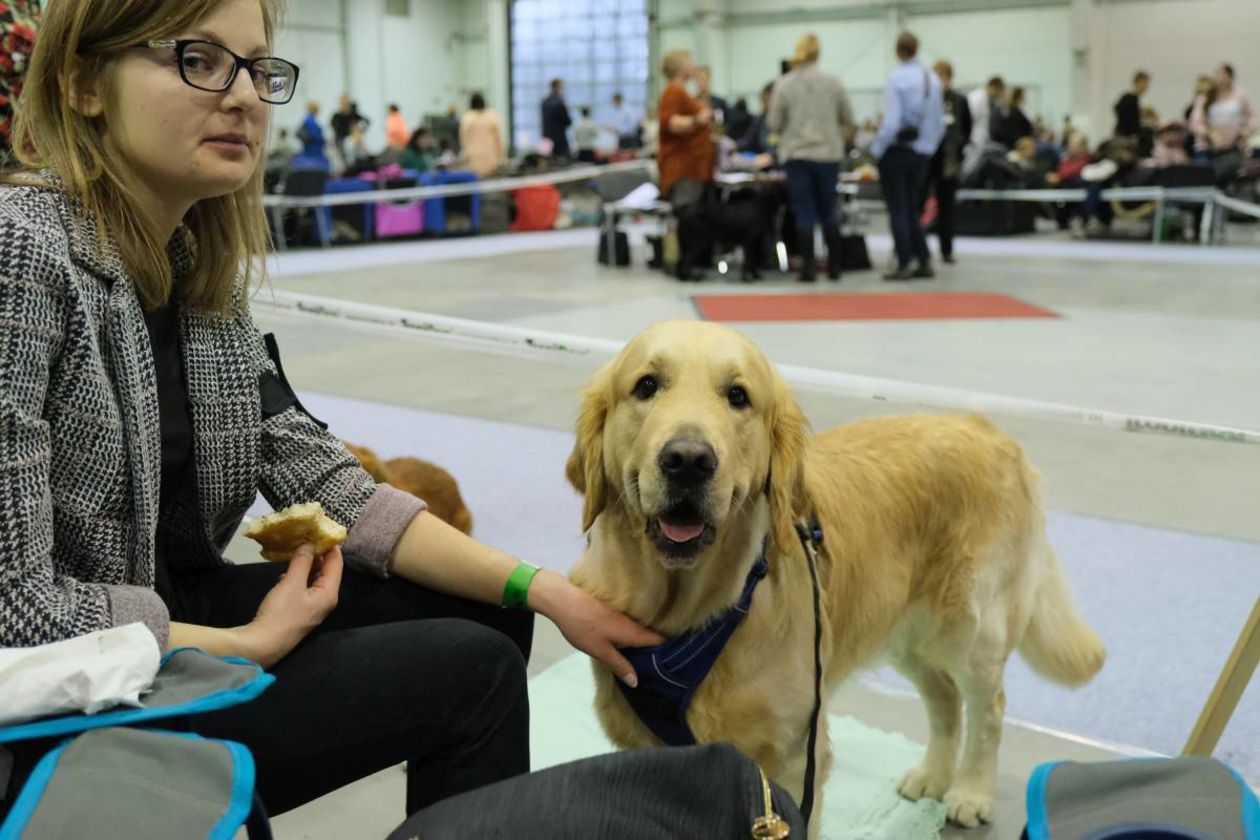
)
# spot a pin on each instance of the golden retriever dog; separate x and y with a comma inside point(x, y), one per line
point(691, 453)
point(422, 479)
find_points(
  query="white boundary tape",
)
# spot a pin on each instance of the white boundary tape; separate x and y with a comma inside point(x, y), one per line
point(577, 173)
point(511, 340)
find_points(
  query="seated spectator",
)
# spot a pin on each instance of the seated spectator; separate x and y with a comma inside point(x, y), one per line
point(284, 148)
point(732, 159)
point(1068, 176)
point(1068, 173)
point(586, 136)
point(1033, 170)
point(358, 157)
point(1170, 147)
point(447, 156)
point(757, 138)
point(420, 153)
point(1014, 123)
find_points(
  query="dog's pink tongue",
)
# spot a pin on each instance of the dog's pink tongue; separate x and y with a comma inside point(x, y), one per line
point(681, 533)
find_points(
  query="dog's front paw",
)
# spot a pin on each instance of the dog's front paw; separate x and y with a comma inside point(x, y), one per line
point(969, 806)
point(924, 781)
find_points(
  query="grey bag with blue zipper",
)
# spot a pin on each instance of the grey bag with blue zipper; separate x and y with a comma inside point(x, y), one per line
point(1141, 799)
point(114, 778)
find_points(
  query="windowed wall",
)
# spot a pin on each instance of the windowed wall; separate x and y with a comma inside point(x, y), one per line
point(599, 48)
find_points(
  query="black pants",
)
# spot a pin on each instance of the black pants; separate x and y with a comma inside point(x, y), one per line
point(902, 175)
point(395, 673)
point(945, 190)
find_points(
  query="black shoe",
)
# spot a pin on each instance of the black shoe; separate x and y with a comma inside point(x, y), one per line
point(923, 272)
point(898, 274)
point(835, 252)
point(809, 265)
point(948, 259)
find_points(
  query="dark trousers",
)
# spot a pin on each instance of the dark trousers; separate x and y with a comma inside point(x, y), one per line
point(902, 175)
point(945, 190)
point(811, 188)
point(395, 673)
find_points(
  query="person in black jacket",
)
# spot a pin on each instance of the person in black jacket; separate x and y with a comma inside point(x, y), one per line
point(344, 121)
point(946, 165)
point(556, 120)
point(1015, 124)
point(1128, 108)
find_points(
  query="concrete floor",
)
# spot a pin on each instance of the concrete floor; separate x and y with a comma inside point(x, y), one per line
point(1164, 331)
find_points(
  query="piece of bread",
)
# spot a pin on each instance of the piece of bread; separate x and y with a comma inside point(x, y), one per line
point(281, 534)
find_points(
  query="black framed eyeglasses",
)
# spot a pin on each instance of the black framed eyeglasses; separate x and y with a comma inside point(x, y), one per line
point(206, 65)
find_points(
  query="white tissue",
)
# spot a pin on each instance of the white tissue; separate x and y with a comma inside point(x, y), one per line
point(84, 674)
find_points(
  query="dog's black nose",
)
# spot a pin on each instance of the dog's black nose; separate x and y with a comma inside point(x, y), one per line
point(687, 462)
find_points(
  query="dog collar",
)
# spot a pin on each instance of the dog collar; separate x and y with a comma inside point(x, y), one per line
point(670, 673)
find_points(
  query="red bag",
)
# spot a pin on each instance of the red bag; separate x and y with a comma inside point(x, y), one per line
point(536, 208)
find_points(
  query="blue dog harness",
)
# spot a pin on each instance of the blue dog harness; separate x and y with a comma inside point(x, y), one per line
point(670, 673)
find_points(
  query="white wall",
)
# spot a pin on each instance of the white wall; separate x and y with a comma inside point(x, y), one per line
point(1029, 47)
point(415, 62)
point(312, 37)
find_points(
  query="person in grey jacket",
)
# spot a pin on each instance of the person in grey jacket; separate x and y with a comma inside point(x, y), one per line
point(811, 114)
point(142, 411)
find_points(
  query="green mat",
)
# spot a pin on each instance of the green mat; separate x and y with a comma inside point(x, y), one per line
point(860, 802)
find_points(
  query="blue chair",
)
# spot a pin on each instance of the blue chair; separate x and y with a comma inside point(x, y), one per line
point(435, 208)
point(304, 183)
point(360, 217)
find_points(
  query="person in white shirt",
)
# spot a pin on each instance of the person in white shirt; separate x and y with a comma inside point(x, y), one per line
point(986, 110)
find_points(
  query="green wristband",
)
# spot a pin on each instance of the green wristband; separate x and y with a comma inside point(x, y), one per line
point(516, 590)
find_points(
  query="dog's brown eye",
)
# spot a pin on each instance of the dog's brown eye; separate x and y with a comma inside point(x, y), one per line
point(738, 397)
point(645, 388)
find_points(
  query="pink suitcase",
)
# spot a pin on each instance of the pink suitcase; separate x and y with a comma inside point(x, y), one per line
point(399, 219)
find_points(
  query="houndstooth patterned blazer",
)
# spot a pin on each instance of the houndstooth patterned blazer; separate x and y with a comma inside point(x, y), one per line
point(80, 443)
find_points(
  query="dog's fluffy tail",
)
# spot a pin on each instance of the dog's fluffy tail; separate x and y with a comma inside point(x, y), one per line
point(1058, 644)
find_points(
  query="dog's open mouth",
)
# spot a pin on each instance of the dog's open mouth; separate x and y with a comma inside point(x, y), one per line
point(680, 531)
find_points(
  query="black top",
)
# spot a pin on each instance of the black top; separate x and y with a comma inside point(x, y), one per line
point(1014, 127)
point(175, 420)
point(555, 123)
point(1128, 116)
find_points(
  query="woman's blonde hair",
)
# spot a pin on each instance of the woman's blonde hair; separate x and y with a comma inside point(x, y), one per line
point(230, 232)
point(674, 62)
point(806, 50)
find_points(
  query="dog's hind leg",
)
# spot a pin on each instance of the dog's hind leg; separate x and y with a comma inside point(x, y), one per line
point(940, 697)
point(969, 801)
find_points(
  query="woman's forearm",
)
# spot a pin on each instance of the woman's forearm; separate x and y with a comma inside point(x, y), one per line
point(219, 641)
point(439, 557)
point(681, 124)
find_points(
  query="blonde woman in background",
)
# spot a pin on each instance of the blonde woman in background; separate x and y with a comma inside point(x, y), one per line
point(481, 137)
point(811, 114)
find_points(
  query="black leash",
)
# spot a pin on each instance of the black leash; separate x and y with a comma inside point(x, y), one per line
point(810, 536)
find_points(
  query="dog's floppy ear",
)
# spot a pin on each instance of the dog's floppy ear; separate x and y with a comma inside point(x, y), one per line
point(585, 467)
point(787, 466)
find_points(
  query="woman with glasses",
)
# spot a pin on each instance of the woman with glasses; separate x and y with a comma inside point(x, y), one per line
point(142, 411)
